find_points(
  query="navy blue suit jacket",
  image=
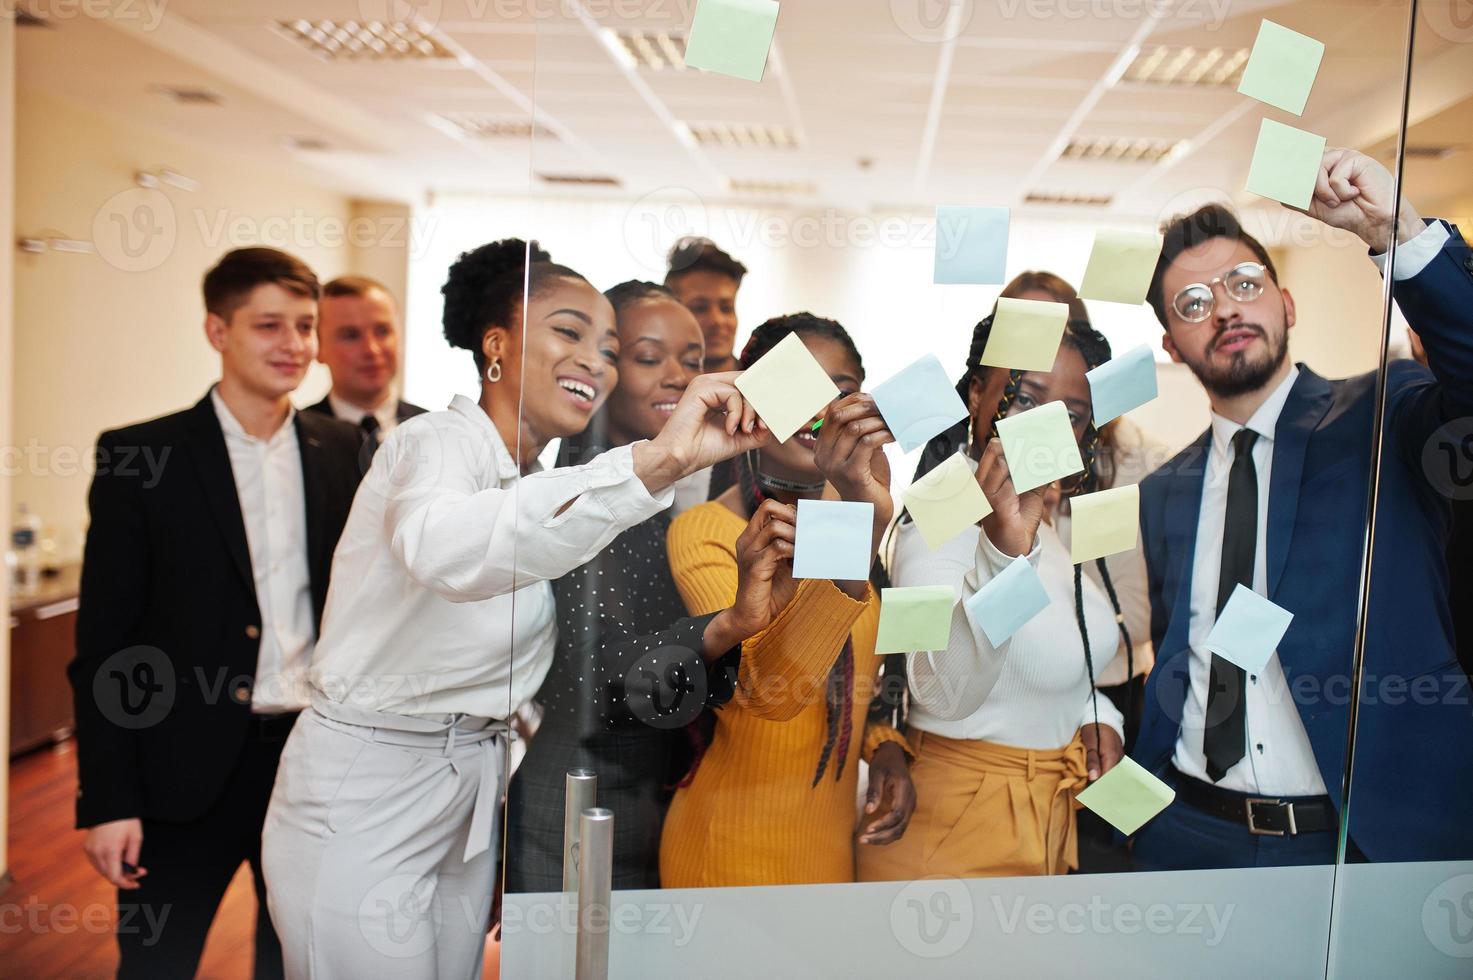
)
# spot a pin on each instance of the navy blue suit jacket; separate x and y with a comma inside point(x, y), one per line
point(1412, 785)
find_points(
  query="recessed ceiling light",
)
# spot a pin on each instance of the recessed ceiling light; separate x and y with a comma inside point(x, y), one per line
point(743, 135)
point(1065, 198)
point(1184, 65)
point(586, 181)
point(1106, 149)
point(355, 40)
point(484, 126)
point(650, 50)
point(741, 185)
point(187, 96)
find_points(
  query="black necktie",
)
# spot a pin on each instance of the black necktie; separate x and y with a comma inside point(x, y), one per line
point(1224, 739)
point(369, 424)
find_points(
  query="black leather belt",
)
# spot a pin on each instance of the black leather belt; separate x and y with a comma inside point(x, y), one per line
point(1271, 816)
point(273, 728)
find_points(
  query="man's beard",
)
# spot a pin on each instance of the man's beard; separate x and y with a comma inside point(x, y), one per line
point(1241, 376)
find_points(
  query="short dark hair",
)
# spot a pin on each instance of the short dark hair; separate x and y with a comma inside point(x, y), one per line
point(1186, 231)
point(354, 286)
point(230, 283)
point(693, 254)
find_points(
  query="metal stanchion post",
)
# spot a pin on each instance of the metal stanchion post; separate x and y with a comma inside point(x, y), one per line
point(595, 883)
point(580, 794)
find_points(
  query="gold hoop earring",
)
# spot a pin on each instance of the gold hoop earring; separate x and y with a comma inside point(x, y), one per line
point(493, 372)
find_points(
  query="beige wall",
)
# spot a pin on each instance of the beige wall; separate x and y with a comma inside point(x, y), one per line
point(1337, 296)
point(114, 337)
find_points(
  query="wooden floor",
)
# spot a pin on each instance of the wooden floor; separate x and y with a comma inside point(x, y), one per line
point(56, 917)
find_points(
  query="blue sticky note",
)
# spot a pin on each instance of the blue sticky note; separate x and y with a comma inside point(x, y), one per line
point(971, 245)
point(1122, 383)
point(1249, 629)
point(1006, 604)
point(919, 402)
point(834, 538)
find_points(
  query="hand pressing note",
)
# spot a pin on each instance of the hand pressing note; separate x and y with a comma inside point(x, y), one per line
point(765, 583)
point(1356, 193)
point(711, 422)
point(1013, 523)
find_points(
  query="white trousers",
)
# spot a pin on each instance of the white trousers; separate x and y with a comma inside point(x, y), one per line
point(380, 844)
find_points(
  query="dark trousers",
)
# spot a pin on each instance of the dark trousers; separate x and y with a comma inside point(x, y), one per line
point(1185, 838)
point(163, 923)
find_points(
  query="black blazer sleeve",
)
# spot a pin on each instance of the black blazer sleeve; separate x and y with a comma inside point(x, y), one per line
point(114, 593)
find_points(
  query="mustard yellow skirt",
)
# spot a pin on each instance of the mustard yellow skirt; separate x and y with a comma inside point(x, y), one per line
point(984, 810)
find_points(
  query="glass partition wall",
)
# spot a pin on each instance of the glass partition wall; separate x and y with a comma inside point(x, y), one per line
point(786, 795)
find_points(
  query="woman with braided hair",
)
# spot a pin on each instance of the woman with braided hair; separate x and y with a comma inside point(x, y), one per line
point(773, 799)
point(1005, 737)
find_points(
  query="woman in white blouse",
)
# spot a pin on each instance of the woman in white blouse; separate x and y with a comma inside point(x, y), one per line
point(380, 843)
point(1005, 737)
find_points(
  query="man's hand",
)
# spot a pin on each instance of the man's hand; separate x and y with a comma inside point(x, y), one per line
point(1354, 192)
point(711, 422)
point(109, 845)
point(1103, 748)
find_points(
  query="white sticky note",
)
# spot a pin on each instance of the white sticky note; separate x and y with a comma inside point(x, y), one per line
point(1249, 630)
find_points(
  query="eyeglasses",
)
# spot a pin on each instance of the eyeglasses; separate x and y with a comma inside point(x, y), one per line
point(1196, 302)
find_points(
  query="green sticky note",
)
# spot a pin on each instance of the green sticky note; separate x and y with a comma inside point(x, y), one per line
point(1127, 796)
point(1120, 266)
point(1039, 446)
point(946, 501)
point(787, 386)
point(731, 37)
point(1282, 67)
point(1286, 163)
point(915, 618)
point(1104, 523)
point(1025, 334)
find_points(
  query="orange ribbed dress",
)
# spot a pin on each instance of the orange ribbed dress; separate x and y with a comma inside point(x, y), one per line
point(751, 815)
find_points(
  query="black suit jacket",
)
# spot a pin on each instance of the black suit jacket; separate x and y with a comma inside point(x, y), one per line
point(406, 410)
point(169, 629)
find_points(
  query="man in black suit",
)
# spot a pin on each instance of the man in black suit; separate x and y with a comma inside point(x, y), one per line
point(202, 589)
point(358, 340)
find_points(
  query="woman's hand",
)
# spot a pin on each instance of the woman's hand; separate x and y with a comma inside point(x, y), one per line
point(711, 422)
point(1013, 523)
point(890, 788)
point(850, 453)
point(765, 583)
point(1103, 748)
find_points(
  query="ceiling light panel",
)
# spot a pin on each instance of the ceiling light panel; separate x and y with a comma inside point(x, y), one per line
point(1106, 149)
point(364, 40)
point(649, 50)
point(1068, 199)
point(484, 126)
point(1188, 66)
point(733, 135)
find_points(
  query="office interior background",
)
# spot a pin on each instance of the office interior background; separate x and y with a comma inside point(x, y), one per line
point(141, 139)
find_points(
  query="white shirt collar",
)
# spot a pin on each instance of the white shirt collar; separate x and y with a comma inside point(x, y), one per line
point(1263, 421)
point(386, 413)
point(506, 466)
point(231, 426)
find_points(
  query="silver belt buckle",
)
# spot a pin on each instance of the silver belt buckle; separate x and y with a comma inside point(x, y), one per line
point(1255, 829)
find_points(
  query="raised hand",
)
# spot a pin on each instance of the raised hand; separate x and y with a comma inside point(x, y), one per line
point(1356, 193)
point(765, 583)
point(711, 422)
point(850, 453)
point(1013, 523)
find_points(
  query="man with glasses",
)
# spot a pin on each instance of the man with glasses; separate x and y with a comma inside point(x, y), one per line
point(1274, 497)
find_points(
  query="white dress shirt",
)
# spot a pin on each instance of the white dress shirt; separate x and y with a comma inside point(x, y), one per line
point(1032, 692)
point(440, 599)
point(1415, 254)
point(273, 506)
point(387, 413)
point(1279, 760)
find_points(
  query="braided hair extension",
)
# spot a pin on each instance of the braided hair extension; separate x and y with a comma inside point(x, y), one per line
point(839, 686)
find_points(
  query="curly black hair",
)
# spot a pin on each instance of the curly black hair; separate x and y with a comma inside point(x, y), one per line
point(484, 289)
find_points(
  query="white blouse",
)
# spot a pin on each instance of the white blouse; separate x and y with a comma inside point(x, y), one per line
point(1032, 692)
point(440, 599)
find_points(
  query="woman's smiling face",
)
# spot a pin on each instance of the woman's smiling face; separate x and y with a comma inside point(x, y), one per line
point(660, 352)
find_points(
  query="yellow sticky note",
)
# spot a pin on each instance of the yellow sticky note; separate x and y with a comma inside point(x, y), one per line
point(1286, 163)
point(915, 618)
point(1127, 796)
point(1120, 266)
point(1040, 447)
point(787, 386)
point(1104, 523)
point(1282, 67)
point(946, 501)
point(1025, 335)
